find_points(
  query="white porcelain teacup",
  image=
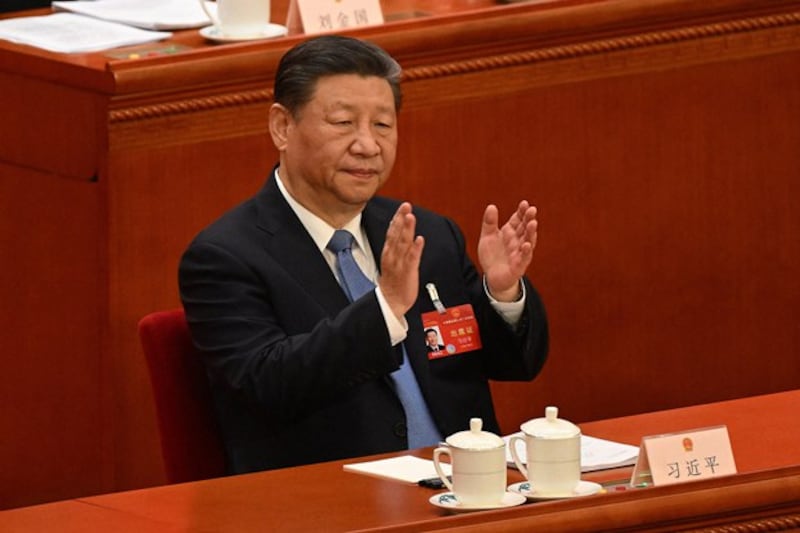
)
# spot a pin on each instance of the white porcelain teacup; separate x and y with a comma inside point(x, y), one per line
point(478, 460)
point(239, 18)
point(553, 454)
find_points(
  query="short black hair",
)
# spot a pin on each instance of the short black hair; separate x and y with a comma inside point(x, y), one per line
point(303, 65)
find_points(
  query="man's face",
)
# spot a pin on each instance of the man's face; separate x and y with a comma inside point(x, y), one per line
point(340, 148)
point(431, 338)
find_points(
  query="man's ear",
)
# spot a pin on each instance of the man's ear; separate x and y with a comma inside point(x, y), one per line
point(279, 122)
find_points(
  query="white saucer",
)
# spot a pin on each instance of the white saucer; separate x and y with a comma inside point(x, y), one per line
point(584, 488)
point(448, 500)
point(269, 31)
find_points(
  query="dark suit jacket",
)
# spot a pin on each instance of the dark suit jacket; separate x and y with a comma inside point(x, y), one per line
point(298, 373)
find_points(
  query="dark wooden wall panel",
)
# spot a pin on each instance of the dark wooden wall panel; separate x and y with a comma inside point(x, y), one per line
point(667, 214)
point(52, 383)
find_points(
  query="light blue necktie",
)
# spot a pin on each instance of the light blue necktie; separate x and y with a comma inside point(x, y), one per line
point(421, 428)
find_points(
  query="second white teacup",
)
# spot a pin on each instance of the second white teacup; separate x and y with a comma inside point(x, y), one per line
point(239, 18)
point(553, 454)
point(478, 460)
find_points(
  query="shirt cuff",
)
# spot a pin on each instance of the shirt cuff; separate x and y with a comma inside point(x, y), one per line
point(398, 329)
point(511, 312)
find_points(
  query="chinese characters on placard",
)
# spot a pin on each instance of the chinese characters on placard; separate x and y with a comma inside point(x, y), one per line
point(337, 20)
point(321, 16)
point(693, 467)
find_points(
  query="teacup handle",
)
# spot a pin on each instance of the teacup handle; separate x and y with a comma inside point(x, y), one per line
point(214, 19)
point(514, 455)
point(436, 454)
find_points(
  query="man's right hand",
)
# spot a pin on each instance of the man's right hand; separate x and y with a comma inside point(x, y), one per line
point(400, 258)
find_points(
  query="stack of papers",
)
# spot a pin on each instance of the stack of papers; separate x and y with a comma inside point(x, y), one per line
point(69, 33)
point(148, 14)
point(406, 468)
point(92, 25)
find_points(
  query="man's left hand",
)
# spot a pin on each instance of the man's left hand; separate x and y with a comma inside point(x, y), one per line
point(505, 252)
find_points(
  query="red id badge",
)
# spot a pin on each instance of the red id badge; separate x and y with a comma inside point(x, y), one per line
point(451, 333)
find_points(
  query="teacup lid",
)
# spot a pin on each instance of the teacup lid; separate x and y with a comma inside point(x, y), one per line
point(475, 438)
point(550, 427)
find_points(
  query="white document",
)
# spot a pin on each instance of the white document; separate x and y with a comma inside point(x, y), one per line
point(596, 454)
point(69, 33)
point(149, 14)
point(406, 468)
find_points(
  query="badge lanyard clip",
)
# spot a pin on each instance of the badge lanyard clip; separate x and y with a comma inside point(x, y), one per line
point(434, 294)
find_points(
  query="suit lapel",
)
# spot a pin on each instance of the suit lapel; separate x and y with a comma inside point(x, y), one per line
point(288, 242)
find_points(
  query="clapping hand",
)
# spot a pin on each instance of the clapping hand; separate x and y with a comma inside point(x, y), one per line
point(505, 252)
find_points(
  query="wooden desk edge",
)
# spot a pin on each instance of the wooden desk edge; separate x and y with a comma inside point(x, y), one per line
point(767, 500)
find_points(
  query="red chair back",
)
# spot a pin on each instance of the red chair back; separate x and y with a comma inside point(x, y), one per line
point(190, 442)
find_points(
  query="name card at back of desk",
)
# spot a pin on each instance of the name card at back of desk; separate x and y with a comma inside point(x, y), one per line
point(685, 456)
point(321, 16)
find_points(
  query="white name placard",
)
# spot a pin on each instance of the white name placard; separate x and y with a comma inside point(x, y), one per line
point(685, 456)
point(321, 16)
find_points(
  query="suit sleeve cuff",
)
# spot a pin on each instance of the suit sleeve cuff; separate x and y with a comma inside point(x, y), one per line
point(398, 328)
point(510, 311)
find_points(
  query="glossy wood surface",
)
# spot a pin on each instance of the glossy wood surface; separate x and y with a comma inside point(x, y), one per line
point(324, 497)
point(658, 139)
point(72, 516)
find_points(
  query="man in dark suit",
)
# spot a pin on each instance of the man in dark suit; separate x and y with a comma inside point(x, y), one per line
point(299, 372)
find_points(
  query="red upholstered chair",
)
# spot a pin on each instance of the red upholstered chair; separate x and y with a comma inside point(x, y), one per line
point(190, 442)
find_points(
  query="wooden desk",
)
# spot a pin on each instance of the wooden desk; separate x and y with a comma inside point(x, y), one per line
point(659, 140)
point(72, 516)
point(323, 497)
